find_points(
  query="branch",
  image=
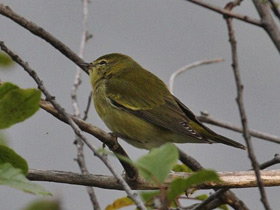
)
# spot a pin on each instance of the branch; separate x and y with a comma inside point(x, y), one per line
point(190, 66)
point(274, 8)
point(224, 12)
point(273, 161)
point(77, 81)
point(214, 200)
point(242, 112)
point(268, 22)
point(42, 33)
point(88, 106)
point(240, 179)
point(134, 196)
point(204, 117)
point(99, 134)
point(228, 197)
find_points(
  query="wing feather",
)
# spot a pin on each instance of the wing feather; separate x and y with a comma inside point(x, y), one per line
point(154, 103)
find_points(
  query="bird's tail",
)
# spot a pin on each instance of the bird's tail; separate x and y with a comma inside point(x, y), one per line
point(224, 140)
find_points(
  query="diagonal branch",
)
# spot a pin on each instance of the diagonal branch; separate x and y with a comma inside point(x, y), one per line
point(42, 33)
point(134, 196)
point(242, 112)
point(99, 134)
point(274, 7)
point(268, 22)
point(222, 11)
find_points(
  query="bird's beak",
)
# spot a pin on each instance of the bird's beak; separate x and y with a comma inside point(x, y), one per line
point(85, 66)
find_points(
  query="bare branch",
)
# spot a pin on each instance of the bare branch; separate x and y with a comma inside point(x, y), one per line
point(190, 66)
point(88, 106)
point(222, 11)
point(273, 161)
point(239, 179)
point(274, 8)
point(42, 33)
point(242, 112)
point(84, 39)
point(134, 196)
point(268, 22)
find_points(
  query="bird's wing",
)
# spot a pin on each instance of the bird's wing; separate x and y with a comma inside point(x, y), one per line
point(153, 103)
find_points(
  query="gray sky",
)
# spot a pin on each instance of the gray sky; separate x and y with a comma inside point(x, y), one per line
point(162, 36)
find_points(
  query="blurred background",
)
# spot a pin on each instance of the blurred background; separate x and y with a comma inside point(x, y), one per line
point(162, 36)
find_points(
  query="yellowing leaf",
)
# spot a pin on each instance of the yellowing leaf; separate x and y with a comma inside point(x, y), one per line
point(5, 60)
point(44, 204)
point(120, 203)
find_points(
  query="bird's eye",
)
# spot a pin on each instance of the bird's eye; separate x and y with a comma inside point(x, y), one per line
point(103, 62)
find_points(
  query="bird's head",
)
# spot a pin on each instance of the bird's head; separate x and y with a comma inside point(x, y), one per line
point(110, 65)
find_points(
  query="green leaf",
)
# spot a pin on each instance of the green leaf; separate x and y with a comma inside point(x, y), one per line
point(156, 165)
point(6, 87)
point(7, 155)
point(178, 186)
point(17, 104)
point(3, 140)
point(223, 207)
point(201, 197)
point(148, 195)
point(181, 168)
point(149, 198)
point(5, 60)
point(44, 204)
point(14, 177)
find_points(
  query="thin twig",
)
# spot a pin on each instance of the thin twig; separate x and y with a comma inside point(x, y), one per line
point(84, 39)
point(222, 11)
point(83, 167)
point(190, 66)
point(273, 161)
point(238, 179)
point(204, 117)
point(42, 33)
point(88, 106)
point(242, 112)
point(77, 81)
point(134, 196)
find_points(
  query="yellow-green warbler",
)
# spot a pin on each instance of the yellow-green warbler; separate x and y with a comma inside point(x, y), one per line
point(138, 107)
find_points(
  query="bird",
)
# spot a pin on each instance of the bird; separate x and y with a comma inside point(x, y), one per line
point(138, 107)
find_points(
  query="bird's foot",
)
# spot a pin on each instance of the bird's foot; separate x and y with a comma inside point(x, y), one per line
point(115, 144)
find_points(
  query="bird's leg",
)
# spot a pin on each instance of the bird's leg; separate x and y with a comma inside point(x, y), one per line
point(115, 145)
